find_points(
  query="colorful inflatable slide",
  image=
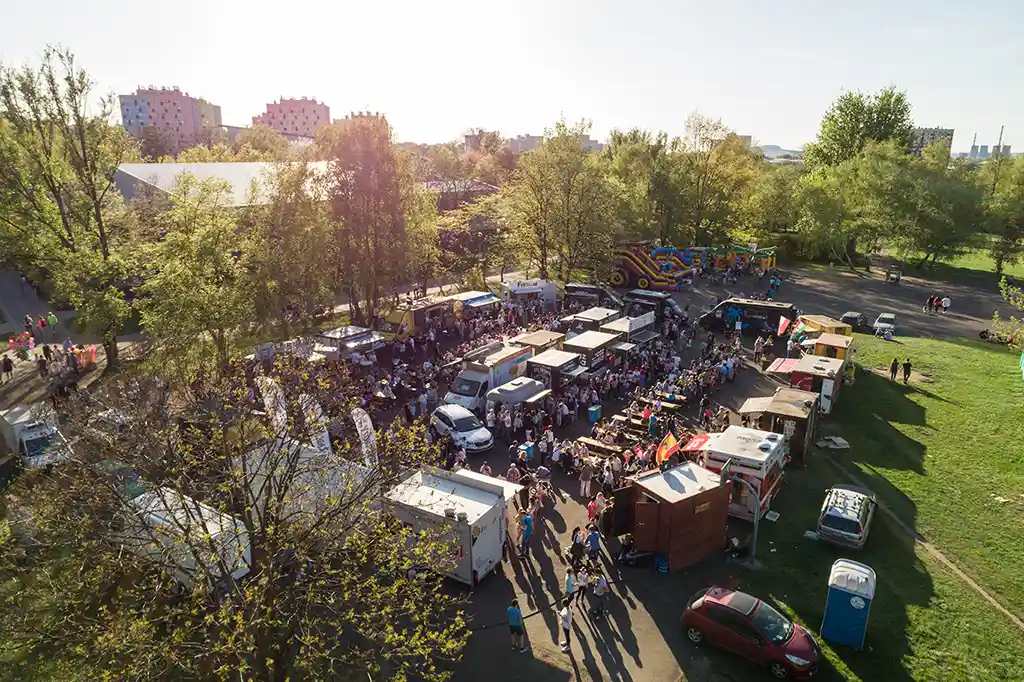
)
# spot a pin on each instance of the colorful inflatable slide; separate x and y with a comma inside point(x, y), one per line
point(647, 266)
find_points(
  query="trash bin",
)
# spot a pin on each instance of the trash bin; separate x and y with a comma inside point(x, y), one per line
point(594, 413)
point(851, 589)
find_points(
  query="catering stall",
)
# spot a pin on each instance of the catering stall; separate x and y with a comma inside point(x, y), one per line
point(790, 412)
point(470, 304)
point(529, 290)
point(831, 345)
point(813, 373)
point(593, 349)
point(588, 320)
point(638, 331)
point(758, 457)
point(680, 513)
point(823, 324)
point(540, 340)
point(555, 369)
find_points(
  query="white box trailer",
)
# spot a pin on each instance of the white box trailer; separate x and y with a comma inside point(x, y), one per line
point(471, 508)
point(171, 529)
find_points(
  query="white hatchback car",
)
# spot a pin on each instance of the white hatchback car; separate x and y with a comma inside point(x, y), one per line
point(846, 514)
point(464, 426)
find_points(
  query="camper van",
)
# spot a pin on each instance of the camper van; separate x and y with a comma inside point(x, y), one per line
point(515, 392)
point(470, 509)
point(640, 301)
point(588, 295)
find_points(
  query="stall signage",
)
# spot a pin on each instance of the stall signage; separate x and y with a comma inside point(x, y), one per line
point(637, 323)
point(701, 508)
point(529, 284)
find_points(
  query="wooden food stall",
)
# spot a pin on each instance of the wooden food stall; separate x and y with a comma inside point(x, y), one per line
point(813, 373)
point(681, 513)
point(540, 340)
point(831, 345)
point(788, 405)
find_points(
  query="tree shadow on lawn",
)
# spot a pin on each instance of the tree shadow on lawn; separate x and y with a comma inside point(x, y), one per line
point(865, 415)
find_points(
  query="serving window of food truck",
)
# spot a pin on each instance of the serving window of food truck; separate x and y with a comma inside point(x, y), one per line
point(555, 369)
point(540, 340)
point(411, 319)
point(589, 320)
point(469, 304)
point(592, 347)
point(526, 290)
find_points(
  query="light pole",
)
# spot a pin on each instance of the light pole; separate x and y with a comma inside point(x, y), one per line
point(727, 475)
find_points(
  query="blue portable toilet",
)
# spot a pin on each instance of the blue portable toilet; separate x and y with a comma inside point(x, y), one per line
point(528, 449)
point(594, 413)
point(851, 589)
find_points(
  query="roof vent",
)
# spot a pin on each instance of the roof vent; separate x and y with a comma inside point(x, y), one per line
point(450, 512)
point(462, 516)
point(772, 436)
point(764, 447)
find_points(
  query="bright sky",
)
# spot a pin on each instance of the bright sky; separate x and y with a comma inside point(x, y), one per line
point(768, 68)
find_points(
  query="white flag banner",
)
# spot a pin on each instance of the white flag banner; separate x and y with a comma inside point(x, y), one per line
point(316, 423)
point(274, 402)
point(367, 436)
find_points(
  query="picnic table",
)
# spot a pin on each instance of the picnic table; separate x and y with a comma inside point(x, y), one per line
point(600, 448)
point(674, 398)
point(667, 406)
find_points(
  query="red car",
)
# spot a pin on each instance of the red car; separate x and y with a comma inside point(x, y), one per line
point(749, 627)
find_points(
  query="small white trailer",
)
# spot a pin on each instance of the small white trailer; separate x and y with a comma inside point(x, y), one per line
point(472, 508)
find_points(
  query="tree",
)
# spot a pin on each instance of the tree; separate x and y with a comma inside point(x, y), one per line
point(647, 170)
point(855, 119)
point(262, 140)
point(363, 187)
point(561, 203)
point(1012, 329)
point(1002, 180)
point(197, 295)
point(770, 205)
point(328, 590)
point(60, 214)
point(154, 144)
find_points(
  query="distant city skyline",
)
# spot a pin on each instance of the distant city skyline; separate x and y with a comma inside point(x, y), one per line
point(769, 70)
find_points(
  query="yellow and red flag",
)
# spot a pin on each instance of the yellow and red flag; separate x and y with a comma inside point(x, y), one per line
point(668, 447)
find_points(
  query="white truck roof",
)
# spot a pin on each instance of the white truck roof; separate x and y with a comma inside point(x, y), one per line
point(751, 447)
point(20, 414)
point(441, 494)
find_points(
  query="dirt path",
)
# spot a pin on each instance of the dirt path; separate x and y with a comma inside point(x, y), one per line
point(931, 549)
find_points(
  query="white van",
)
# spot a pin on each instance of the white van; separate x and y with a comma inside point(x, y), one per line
point(515, 392)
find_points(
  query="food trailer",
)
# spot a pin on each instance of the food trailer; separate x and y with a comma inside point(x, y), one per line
point(556, 369)
point(528, 290)
point(831, 345)
point(411, 318)
point(824, 324)
point(540, 340)
point(589, 320)
point(592, 347)
point(588, 295)
point(681, 513)
point(640, 301)
point(348, 342)
point(469, 304)
point(638, 331)
point(758, 457)
point(791, 412)
point(813, 373)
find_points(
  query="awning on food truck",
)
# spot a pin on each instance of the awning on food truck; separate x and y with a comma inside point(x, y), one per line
point(783, 366)
point(756, 405)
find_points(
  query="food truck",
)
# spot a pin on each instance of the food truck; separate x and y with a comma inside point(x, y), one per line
point(636, 330)
point(791, 412)
point(472, 510)
point(556, 369)
point(483, 369)
point(588, 320)
point(528, 290)
point(831, 345)
point(516, 392)
point(758, 457)
point(589, 295)
point(411, 318)
point(469, 304)
point(751, 315)
point(540, 340)
point(824, 324)
point(347, 342)
point(815, 374)
point(592, 347)
point(640, 301)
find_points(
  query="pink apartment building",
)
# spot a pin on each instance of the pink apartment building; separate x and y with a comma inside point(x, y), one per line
point(174, 115)
point(303, 116)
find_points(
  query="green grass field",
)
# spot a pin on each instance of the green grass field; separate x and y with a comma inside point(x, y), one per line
point(938, 453)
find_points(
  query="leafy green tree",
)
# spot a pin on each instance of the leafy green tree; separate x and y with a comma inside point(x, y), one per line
point(101, 585)
point(770, 205)
point(262, 140)
point(1002, 180)
point(154, 144)
point(365, 193)
point(1012, 329)
point(855, 119)
point(60, 215)
point(197, 300)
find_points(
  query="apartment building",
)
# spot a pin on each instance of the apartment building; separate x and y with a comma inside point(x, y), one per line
point(922, 137)
point(175, 115)
point(303, 116)
point(527, 143)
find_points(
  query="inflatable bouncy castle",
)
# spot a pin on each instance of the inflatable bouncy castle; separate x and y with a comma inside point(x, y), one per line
point(646, 265)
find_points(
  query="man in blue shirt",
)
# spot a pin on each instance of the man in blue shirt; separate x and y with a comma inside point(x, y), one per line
point(593, 543)
point(526, 524)
point(515, 626)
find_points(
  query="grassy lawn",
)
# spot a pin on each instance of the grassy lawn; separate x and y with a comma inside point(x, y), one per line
point(937, 453)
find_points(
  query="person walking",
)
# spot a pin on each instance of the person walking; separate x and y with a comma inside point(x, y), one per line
point(601, 589)
point(7, 365)
point(485, 470)
point(570, 584)
point(593, 542)
point(565, 618)
point(946, 303)
point(906, 370)
point(894, 368)
point(515, 626)
point(51, 322)
point(526, 526)
point(586, 475)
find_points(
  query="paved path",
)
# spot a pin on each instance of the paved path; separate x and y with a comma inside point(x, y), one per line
point(18, 300)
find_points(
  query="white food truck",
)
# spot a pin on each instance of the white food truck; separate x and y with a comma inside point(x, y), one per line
point(757, 457)
point(472, 509)
point(486, 368)
point(31, 436)
point(529, 290)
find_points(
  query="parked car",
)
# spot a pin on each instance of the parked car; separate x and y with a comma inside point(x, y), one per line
point(859, 321)
point(464, 426)
point(885, 322)
point(846, 514)
point(751, 628)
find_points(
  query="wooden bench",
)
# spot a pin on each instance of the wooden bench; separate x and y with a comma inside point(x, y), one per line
point(672, 398)
point(666, 406)
point(600, 448)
